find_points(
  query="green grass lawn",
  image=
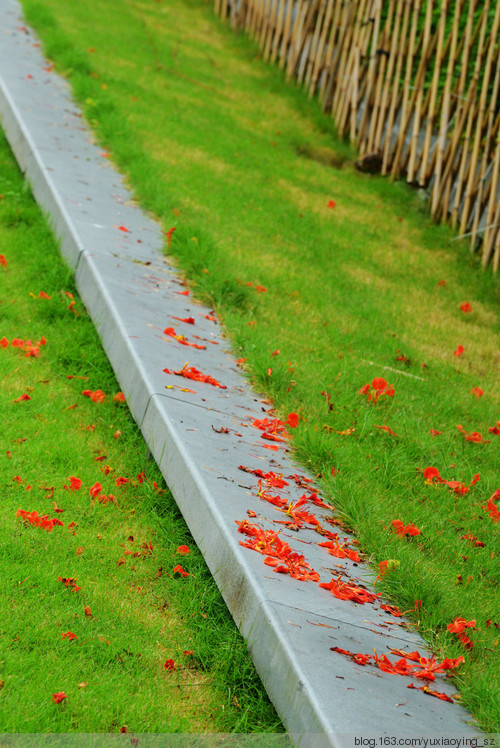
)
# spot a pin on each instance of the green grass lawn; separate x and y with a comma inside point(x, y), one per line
point(93, 608)
point(358, 284)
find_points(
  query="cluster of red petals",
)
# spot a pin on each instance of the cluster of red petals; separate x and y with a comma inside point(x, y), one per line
point(340, 550)
point(377, 389)
point(183, 550)
point(34, 519)
point(430, 692)
point(58, 697)
point(385, 428)
point(495, 429)
point(474, 436)
point(97, 396)
point(119, 397)
point(344, 591)
point(477, 391)
point(69, 582)
point(403, 530)
point(69, 635)
point(22, 398)
point(3, 261)
point(491, 508)
point(29, 347)
point(473, 540)
point(273, 429)
point(426, 668)
point(459, 350)
point(458, 626)
point(182, 339)
point(431, 475)
point(273, 479)
point(189, 372)
point(276, 550)
point(74, 484)
point(169, 665)
point(297, 516)
point(179, 570)
point(465, 307)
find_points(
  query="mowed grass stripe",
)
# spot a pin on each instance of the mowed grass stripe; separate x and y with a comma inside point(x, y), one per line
point(120, 544)
point(359, 282)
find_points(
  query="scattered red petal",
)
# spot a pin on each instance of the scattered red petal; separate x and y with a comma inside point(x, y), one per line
point(22, 398)
point(183, 550)
point(69, 635)
point(465, 307)
point(436, 433)
point(119, 397)
point(477, 391)
point(458, 352)
point(331, 204)
point(179, 570)
point(58, 697)
point(491, 508)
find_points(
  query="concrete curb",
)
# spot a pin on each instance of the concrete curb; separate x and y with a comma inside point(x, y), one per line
point(131, 292)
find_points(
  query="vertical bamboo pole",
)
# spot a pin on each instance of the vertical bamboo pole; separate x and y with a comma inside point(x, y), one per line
point(273, 52)
point(331, 54)
point(482, 105)
point(315, 41)
point(493, 201)
point(395, 97)
point(462, 104)
point(422, 179)
point(371, 75)
point(355, 94)
point(286, 44)
point(344, 100)
point(316, 69)
point(419, 86)
point(483, 171)
point(387, 65)
point(445, 112)
point(296, 37)
point(406, 107)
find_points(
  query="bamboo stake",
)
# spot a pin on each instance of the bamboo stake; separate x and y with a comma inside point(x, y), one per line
point(279, 32)
point(320, 50)
point(334, 78)
point(482, 105)
point(344, 58)
point(379, 118)
point(419, 92)
point(406, 108)
point(330, 54)
point(370, 79)
point(315, 41)
point(483, 171)
point(348, 82)
point(445, 113)
point(270, 29)
point(295, 37)
point(496, 256)
point(487, 247)
point(285, 44)
point(395, 97)
point(433, 95)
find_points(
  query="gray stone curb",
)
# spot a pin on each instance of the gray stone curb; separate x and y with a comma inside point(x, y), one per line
point(131, 293)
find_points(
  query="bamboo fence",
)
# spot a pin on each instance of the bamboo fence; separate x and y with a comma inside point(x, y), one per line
point(414, 83)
